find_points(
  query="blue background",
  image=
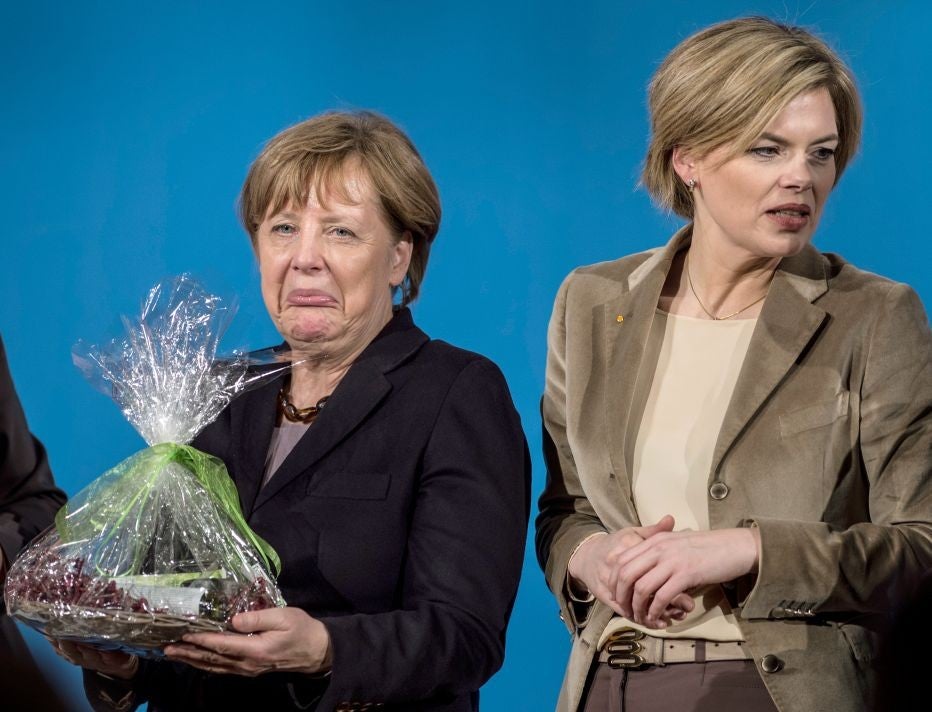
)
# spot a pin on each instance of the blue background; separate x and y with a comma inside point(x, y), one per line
point(127, 129)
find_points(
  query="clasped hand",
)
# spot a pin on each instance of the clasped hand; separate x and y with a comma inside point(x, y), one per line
point(645, 573)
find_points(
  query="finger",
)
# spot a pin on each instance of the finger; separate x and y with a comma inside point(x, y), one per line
point(637, 551)
point(233, 645)
point(207, 667)
point(259, 621)
point(616, 565)
point(644, 592)
point(217, 642)
point(610, 581)
point(683, 602)
point(664, 524)
point(628, 540)
point(210, 661)
point(663, 597)
point(602, 594)
point(627, 578)
point(193, 653)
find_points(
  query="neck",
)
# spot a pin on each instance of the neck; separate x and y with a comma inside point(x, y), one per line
point(312, 380)
point(723, 280)
point(325, 364)
point(722, 271)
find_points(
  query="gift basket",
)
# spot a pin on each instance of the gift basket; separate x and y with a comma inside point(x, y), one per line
point(157, 546)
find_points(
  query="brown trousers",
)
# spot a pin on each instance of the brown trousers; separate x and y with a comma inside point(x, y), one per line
point(721, 686)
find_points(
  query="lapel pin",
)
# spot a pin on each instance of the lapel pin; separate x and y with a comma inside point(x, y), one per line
point(619, 318)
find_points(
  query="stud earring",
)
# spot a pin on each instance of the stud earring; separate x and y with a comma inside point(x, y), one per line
point(691, 183)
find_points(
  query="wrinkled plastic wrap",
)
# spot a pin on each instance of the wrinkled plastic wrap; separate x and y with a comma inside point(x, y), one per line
point(157, 546)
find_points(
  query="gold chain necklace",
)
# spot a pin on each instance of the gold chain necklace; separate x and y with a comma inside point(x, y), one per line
point(689, 280)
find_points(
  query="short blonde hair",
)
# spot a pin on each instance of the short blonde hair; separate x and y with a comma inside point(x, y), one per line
point(723, 85)
point(316, 153)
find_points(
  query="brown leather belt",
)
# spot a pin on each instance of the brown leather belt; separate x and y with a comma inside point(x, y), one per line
point(631, 648)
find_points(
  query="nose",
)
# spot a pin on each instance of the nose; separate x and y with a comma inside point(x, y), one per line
point(308, 253)
point(797, 175)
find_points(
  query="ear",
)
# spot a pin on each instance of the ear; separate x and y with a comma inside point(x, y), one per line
point(684, 163)
point(401, 258)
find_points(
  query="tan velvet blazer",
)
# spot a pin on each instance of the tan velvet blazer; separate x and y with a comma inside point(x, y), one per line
point(826, 446)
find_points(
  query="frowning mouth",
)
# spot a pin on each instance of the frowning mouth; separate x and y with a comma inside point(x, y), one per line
point(310, 298)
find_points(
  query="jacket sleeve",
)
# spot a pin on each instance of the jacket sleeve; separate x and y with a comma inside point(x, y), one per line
point(28, 495)
point(807, 568)
point(464, 555)
point(566, 516)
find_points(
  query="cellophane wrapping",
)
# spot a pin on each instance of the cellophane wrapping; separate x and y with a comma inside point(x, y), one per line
point(157, 546)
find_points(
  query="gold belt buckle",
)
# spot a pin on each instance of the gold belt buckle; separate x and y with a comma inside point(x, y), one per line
point(623, 647)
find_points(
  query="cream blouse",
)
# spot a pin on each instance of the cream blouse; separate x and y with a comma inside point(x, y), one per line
point(697, 368)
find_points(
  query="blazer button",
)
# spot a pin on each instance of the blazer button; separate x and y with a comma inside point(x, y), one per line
point(718, 490)
point(771, 664)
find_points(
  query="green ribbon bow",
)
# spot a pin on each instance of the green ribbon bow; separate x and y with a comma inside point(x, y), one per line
point(107, 502)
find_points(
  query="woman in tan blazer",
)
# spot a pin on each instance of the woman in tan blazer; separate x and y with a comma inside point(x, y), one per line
point(738, 428)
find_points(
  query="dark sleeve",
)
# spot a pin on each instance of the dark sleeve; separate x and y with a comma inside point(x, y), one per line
point(106, 694)
point(464, 556)
point(28, 495)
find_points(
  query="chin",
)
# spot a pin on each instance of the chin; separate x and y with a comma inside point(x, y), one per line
point(307, 331)
point(785, 245)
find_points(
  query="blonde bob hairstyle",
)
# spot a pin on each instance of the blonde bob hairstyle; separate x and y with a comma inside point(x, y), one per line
point(723, 85)
point(316, 154)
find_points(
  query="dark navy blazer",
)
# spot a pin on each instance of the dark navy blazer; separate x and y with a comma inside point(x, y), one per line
point(400, 518)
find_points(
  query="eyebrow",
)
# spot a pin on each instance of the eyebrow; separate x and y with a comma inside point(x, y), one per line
point(281, 215)
point(783, 141)
point(339, 216)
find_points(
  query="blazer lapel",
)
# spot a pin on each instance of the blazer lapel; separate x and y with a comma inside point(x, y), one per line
point(253, 416)
point(787, 324)
point(626, 323)
point(362, 389)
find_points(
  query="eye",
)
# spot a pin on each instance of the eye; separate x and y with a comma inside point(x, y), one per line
point(823, 153)
point(284, 229)
point(342, 233)
point(765, 151)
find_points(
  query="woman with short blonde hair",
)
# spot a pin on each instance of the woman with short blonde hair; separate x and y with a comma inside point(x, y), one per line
point(722, 87)
point(738, 427)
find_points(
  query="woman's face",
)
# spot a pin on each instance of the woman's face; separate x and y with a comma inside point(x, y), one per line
point(767, 201)
point(328, 268)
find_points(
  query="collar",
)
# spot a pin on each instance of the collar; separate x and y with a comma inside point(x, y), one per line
point(805, 273)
